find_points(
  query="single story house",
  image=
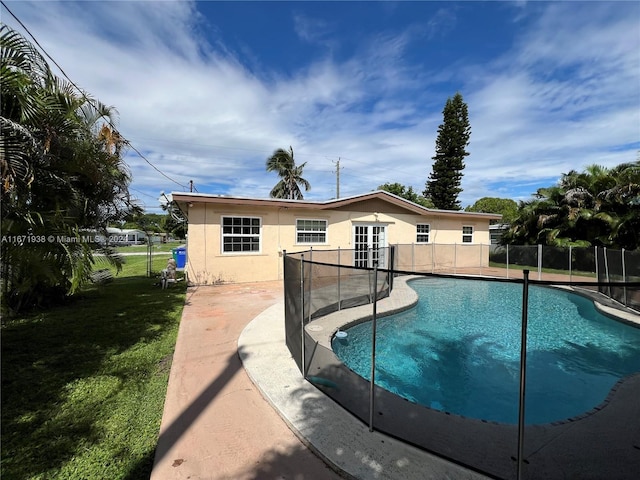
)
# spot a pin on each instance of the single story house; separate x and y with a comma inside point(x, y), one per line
point(119, 236)
point(496, 231)
point(239, 239)
point(161, 237)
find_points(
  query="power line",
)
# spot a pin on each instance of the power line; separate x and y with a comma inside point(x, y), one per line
point(265, 151)
point(128, 143)
point(141, 192)
point(87, 99)
point(152, 165)
point(197, 159)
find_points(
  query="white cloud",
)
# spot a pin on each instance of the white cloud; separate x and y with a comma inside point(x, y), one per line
point(313, 30)
point(566, 95)
point(442, 22)
point(562, 99)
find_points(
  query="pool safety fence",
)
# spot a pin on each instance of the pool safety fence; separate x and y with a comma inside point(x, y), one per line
point(570, 264)
point(327, 292)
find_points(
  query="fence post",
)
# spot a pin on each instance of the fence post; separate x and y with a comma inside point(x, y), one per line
point(570, 265)
point(433, 257)
point(339, 299)
point(369, 251)
point(394, 264)
point(373, 350)
point(480, 259)
point(624, 279)
point(455, 257)
point(523, 370)
point(413, 257)
point(390, 266)
point(606, 269)
point(540, 261)
point(507, 260)
point(304, 361)
point(310, 281)
point(595, 256)
point(284, 256)
point(149, 256)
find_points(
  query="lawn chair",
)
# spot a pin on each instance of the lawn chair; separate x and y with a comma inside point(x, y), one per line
point(169, 274)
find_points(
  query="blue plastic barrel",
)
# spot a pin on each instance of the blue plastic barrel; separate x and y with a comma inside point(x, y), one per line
point(180, 256)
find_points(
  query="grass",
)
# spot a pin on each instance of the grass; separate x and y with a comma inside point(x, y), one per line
point(512, 266)
point(136, 265)
point(158, 247)
point(83, 385)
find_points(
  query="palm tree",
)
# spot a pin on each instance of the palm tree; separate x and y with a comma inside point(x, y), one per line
point(596, 207)
point(283, 163)
point(622, 200)
point(23, 70)
point(59, 176)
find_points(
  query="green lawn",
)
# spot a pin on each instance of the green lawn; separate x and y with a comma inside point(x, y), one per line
point(83, 385)
point(138, 264)
point(156, 247)
point(544, 270)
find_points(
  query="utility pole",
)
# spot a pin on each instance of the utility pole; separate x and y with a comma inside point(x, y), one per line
point(191, 186)
point(337, 178)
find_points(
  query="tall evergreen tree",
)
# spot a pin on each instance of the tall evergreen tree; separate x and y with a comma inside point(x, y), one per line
point(443, 185)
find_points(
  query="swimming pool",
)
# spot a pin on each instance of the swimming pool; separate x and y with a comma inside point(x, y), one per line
point(457, 350)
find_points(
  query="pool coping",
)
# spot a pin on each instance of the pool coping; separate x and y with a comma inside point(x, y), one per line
point(606, 306)
point(402, 297)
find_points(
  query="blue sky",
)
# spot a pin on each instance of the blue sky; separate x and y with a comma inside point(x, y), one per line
point(208, 90)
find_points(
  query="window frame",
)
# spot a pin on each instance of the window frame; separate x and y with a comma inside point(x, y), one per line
point(467, 235)
point(224, 235)
point(311, 232)
point(422, 234)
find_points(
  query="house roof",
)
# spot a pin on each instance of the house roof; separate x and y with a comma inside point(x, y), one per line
point(124, 231)
point(184, 199)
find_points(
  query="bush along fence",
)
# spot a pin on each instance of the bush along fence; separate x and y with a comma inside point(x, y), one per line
point(328, 291)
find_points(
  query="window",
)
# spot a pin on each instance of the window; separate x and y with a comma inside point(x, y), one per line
point(311, 231)
point(422, 233)
point(467, 234)
point(241, 234)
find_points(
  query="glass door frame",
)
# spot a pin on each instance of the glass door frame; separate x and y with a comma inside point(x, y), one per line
point(373, 237)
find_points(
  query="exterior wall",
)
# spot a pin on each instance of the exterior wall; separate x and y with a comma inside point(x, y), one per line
point(206, 264)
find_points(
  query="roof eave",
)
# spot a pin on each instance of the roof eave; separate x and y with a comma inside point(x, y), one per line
point(189, 198)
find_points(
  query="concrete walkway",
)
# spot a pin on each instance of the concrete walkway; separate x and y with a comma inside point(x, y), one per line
point(216, 425)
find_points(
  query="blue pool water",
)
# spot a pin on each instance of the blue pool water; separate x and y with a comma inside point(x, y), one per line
point(458, 351)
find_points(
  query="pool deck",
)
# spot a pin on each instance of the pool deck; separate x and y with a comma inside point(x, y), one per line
point(217, 424)
point(326, 428)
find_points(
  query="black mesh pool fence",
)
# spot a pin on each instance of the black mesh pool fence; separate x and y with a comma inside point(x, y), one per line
point(603, 442)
